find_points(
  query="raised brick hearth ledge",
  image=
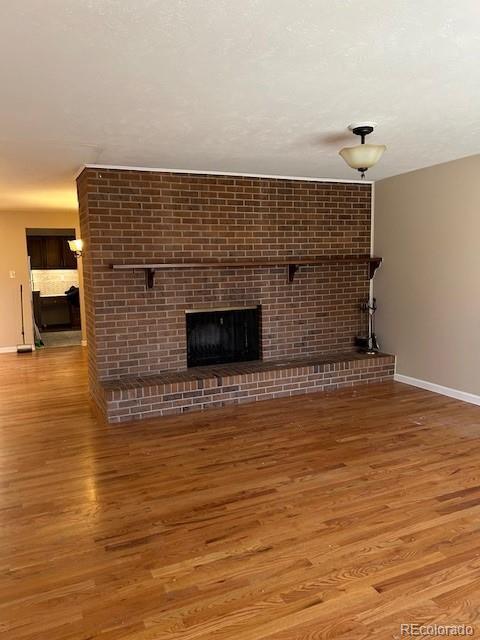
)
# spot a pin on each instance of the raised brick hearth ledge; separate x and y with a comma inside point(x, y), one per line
point(200, 388)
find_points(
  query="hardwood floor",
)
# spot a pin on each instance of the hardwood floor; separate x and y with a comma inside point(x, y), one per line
point(337, 515)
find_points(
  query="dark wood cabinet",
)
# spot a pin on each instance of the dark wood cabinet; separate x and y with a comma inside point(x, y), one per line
point(55, 312)
point(53, 252)
point(35, 251)
point(50, 252)
point(52, 311)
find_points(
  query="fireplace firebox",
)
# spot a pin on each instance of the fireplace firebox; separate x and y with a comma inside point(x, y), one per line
point(218, 336)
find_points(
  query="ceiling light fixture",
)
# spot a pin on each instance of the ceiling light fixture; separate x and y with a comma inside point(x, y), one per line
point(363, 156)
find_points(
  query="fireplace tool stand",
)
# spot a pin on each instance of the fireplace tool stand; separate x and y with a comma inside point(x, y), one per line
point(368, 344)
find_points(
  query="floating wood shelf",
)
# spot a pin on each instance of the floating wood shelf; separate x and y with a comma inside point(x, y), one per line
point(291, 263)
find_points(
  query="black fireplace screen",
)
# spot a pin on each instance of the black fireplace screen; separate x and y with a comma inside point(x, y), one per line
point(216, 337)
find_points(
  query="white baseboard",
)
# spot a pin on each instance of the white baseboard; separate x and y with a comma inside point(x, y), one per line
point(84, 343)
point(8, 349)
point(437, 388)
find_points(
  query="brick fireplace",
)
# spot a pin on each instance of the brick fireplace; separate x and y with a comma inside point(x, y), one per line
point(137, 336)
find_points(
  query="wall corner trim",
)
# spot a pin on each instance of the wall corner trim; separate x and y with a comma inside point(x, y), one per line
point(84, 343)
point(437, 388)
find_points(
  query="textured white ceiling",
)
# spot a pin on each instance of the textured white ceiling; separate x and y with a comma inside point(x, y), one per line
point(257, 86)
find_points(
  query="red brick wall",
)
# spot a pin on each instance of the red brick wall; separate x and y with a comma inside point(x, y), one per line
point(141, 216)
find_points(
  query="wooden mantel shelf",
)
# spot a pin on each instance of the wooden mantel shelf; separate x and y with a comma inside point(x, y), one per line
point(292, 264)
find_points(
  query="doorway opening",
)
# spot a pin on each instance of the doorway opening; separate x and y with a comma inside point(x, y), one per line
point(55, 288)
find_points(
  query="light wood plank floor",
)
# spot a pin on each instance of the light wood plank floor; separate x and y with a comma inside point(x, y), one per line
point(335, 515)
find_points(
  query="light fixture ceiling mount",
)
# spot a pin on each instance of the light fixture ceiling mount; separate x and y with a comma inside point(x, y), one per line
point(363, 156)
point(362, 129)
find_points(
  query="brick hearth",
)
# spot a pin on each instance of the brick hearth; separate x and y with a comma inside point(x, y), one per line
point(223, 385)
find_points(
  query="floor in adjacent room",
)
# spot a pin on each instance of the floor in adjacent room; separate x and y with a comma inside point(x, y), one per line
point(62, 338)
point(339, 515)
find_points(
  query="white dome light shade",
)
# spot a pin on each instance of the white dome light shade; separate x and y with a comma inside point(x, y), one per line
point(363, 156)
